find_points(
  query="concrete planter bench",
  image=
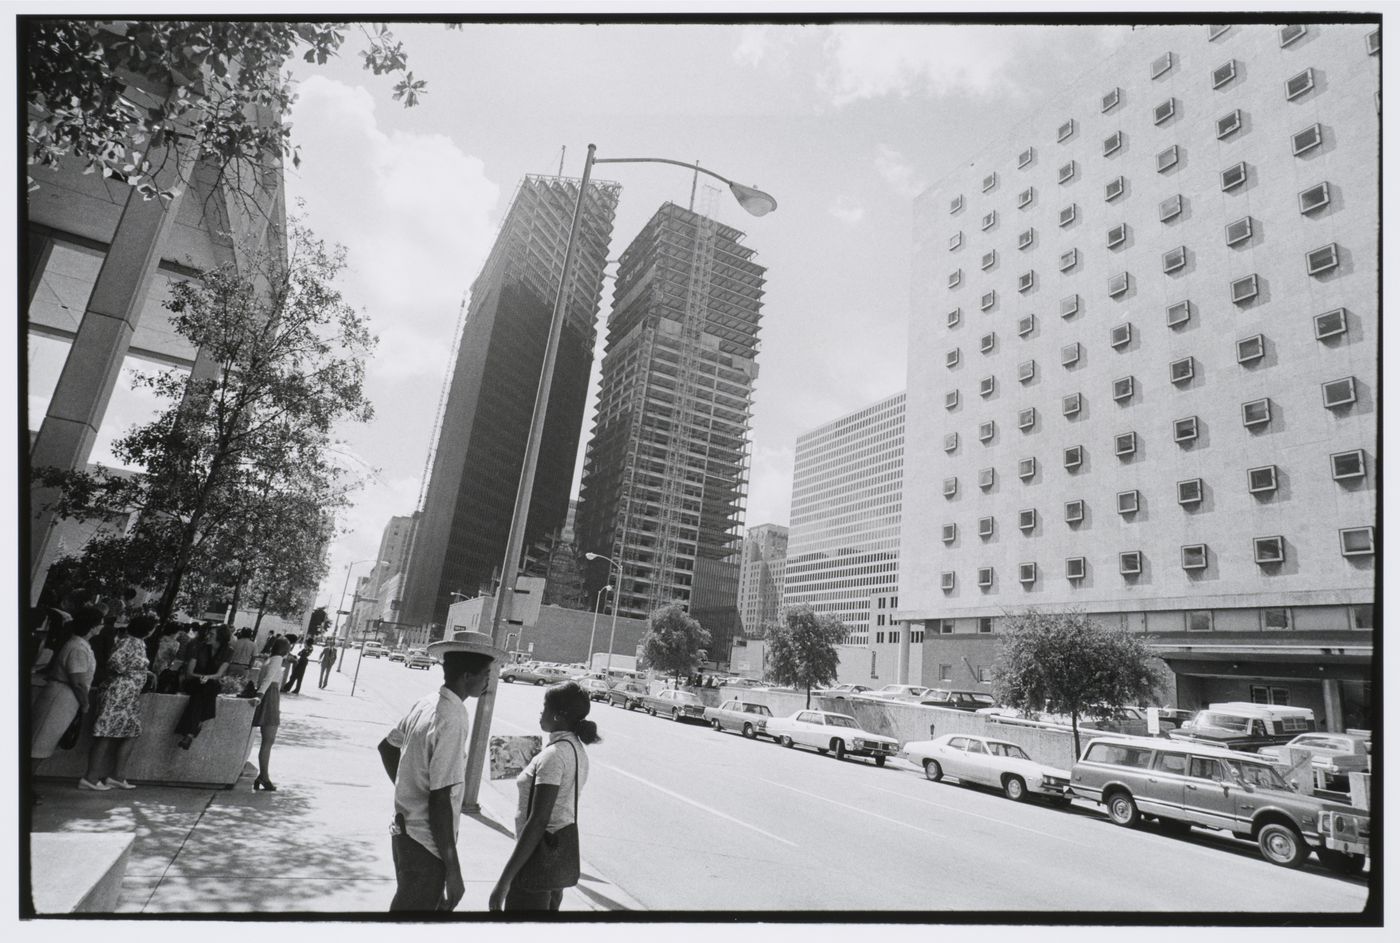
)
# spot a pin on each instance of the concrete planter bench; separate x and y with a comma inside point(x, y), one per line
point(216, 758)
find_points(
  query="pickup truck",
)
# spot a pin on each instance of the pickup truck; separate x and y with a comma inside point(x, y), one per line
point(748, 719)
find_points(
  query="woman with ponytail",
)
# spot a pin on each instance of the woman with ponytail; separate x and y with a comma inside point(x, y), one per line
point(545, 859)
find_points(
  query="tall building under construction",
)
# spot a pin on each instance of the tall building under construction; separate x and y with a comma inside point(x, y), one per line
point(666, 473)
point(485, 422)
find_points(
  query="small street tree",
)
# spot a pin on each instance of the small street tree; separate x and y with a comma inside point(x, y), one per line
point(1066, 663)
point(802, 649)
point(237, 470)
point(674, 643)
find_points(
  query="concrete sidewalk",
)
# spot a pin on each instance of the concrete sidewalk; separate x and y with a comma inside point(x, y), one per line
point(320, 844)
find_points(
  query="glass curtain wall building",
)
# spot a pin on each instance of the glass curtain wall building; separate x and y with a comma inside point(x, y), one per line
point(467, 508)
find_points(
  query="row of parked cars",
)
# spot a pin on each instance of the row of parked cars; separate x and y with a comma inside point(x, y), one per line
point(1178, 782)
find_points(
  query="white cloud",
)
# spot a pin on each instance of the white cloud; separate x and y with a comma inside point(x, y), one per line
point(847, 209)
point(897, 171)
point(760, 44)
point(874, 60)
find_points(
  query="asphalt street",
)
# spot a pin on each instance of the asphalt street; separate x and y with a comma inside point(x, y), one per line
point(684, 818)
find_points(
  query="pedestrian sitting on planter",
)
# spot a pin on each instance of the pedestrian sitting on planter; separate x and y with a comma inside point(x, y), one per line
point(203, 682)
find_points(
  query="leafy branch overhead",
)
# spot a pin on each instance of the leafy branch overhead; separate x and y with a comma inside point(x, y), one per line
point(145, 101)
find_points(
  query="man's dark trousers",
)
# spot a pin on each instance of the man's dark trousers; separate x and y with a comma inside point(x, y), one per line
point(421, 875)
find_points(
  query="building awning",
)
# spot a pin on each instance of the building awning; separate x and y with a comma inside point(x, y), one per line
point(1294, 662)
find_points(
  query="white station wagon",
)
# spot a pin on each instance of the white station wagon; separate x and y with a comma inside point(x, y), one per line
point(826, 731)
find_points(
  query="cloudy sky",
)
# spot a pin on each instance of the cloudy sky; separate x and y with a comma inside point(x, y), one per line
point(843, 124)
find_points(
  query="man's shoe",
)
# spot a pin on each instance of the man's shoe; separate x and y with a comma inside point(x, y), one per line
point(94, 787)
point(114, 783)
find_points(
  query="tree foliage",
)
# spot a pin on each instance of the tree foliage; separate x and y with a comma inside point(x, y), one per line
point(120, 95)
point(1067, 663)
point(674, 643)
point(802, 649)
point(238, 480)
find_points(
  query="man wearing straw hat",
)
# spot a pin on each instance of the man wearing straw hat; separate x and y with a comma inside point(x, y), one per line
point(425, 756)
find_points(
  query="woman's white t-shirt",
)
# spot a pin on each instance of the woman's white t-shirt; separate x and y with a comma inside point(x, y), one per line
point(553, 766)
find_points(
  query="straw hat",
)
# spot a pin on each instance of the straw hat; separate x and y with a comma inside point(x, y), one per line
point(478, 643)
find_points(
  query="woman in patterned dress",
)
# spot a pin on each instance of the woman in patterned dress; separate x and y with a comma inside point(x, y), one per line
point(118, 722)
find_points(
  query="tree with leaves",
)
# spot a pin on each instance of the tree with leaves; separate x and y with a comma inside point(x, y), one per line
point(134, 99)
point(674, 643)
point(802, 649)
point(1067, 663)
point(238, 467)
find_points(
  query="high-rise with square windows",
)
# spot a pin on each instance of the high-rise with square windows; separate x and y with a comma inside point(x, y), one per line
point(461, 535)
point(1143, 368)
point(666, 473)
point(843, 538)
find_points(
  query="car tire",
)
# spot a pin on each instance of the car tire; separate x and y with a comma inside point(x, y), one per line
point(718, 728)
point(508, 680)
point(1341, 861)
point(1122, 810)
point(933, 772)
point(1015, 788)
point(748, 731)
point(838, 747)
point(676, 714)
point(539, 681)
point(651, 711)
point(787, 742)
point(1282, 845)
point(880, 761)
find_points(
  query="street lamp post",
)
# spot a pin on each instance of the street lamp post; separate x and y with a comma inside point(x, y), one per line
point(617, 600)
point(751, 199)
point(335, 632)
point(597, 601)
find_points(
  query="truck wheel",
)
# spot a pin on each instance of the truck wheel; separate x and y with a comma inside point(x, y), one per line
point(932, 770)
point(1015, 788)
point(1341, 861)
point(1123, 810)
point(1282, 845)
point(748, 731)
point(839, 748)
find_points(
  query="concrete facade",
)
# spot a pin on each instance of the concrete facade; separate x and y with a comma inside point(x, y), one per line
point(761, 568)
point(560, 635)
point(844, 526)
point(1127, 356)
point(666, 473)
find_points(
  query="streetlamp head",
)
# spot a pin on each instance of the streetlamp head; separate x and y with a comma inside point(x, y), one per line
point(590, 555)
point(754, 200)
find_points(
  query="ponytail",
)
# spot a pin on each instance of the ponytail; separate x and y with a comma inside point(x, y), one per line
point(587, 731)
point(571, 701)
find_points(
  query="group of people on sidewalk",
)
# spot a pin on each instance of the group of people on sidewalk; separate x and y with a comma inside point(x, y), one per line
point(425, 757)
point(107, 654)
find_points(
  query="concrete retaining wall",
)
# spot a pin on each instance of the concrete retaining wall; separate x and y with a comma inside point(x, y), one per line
point(908, 722)
point(215, 759)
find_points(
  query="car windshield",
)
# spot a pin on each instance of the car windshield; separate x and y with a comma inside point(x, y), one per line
point(839, 720)
point(1006, 749)
point(1256, 774)
point(1223, 721)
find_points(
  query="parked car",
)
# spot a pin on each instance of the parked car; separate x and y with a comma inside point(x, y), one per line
point(677, 705)
point(373, 650)
point(627, 694)
point(843, 690)
point(898, 692)
point(958, 700)
point(418, 658)
point(827, 731)
point(1238, 725)
point(988, 762)
point(396, 654)
point(597, 688)
point(552, 674)
point(529, 672)
point(747, 718)
point(1187, 784)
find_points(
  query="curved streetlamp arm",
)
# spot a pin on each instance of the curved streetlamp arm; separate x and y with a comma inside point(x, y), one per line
point(755, 201)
